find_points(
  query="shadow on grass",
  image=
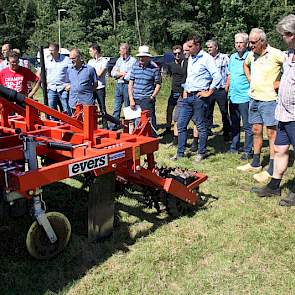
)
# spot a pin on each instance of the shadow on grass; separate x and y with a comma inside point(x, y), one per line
point(217, 143)
point(21, 274)
point(289, 184)
point(168, 138)
point(219, 146)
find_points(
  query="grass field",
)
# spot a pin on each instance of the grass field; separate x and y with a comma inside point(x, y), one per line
point(234, 244)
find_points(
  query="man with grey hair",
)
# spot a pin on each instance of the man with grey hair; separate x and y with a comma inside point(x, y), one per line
point(237, 87)
point(262, 68)
point(121, 72)
point(219, 95)
point(285, 114)
point(82, 79)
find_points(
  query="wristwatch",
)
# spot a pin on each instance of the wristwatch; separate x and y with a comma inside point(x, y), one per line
point(153, 97)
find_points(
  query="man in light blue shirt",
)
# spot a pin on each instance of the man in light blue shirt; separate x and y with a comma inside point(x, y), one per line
point(56, 66)
point(238, 86)
point(121, 72)
point(202, 79)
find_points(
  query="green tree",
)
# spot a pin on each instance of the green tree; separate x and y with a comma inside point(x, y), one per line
point(27, 24)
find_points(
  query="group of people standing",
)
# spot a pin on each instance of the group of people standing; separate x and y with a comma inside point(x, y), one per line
point(72, 81)
point(255, 85)
point(257, 82)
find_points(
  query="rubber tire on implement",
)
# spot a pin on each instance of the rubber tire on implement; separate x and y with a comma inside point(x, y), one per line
point(37, 242)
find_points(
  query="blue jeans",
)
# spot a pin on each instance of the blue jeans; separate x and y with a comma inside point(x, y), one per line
point(148, 104)
point(194, 108)
point(238, 110)
point(100, 96)
point(55, 96)
point(121, 95)
point(172, 101)
point(220, 97)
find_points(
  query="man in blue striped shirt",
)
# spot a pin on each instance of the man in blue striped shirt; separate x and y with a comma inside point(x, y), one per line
point(145, 84)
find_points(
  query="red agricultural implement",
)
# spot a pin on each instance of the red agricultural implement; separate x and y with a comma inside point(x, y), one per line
point(35, 151)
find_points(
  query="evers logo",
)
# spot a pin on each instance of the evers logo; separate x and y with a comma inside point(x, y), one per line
point(88, 165)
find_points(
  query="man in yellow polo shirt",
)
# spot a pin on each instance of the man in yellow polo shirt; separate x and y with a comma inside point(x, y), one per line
point(262, 68)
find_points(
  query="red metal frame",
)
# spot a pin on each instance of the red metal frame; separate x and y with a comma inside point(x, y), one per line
point(121, 150)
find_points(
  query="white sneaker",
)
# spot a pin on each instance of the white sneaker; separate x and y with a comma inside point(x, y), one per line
point(249, 168)
point(263, 176)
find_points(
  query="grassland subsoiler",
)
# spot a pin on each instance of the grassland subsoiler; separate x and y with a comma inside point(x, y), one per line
point(36, 151)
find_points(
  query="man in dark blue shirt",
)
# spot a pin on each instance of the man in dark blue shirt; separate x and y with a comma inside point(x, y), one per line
point(145, 83)
point(82, 79)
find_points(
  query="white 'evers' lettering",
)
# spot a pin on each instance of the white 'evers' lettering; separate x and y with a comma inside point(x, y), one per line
point(88, 165)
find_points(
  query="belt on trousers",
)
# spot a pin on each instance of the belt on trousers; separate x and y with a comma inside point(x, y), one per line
point(194, 92)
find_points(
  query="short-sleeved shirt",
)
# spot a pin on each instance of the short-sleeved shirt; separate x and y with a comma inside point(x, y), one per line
point(221, 61)
point(18, 80)
point(202, 73)
point(3, 64)
point(123, 65)
point(99, 65)
point(82, 82)
point(239, 85)
point(285, 111)
point(145, 79)
point(56, 70)
point(265, 70)
point(178, 74)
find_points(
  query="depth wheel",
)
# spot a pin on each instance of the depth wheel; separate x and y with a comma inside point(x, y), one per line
point(38, 243)
point(176, 207)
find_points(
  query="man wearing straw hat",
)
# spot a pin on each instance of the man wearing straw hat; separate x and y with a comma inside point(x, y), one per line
point(145, 84)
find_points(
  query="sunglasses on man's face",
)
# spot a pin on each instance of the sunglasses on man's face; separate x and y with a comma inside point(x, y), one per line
point(286, 34)
point(177, 53)
point(254, 42)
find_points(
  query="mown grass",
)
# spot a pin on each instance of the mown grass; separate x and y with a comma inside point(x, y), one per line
point(234, 244)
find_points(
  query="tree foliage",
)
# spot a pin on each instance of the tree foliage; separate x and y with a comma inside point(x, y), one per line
point(27, 24)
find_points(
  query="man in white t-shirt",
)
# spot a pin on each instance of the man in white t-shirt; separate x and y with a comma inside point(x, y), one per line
point(99, 63)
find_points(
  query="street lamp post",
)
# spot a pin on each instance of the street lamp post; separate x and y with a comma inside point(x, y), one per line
point(58, 19)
